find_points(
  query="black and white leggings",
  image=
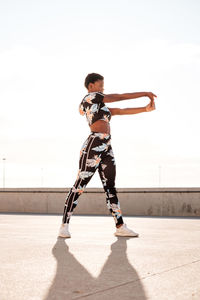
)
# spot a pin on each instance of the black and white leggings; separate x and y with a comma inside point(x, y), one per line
point(96, 153)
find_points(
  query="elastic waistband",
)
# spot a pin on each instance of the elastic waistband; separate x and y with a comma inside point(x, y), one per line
point(101, 135)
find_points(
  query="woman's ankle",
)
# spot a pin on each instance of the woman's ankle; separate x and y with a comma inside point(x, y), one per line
point(119, 225)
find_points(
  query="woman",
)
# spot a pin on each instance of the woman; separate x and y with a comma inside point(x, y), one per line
point(96, 151)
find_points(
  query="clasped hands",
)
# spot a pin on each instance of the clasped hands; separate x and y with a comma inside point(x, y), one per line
point(151, 105)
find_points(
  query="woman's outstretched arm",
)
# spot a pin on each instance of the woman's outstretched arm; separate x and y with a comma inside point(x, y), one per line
point(125, 96)
point(126, 111)
point(132, 110)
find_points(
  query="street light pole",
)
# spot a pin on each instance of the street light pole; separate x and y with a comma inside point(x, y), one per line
point(159, 175)
point(41, 176)
point(4, 161)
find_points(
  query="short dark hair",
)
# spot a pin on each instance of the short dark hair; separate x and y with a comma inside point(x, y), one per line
point(92, 77)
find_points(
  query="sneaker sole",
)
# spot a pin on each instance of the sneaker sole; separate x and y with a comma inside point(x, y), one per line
point(118, 234)
point(64, 236)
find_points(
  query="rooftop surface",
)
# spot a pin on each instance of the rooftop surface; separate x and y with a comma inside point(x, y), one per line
point(162, 263)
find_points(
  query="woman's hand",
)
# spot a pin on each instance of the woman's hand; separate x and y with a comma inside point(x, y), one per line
point(150, 106)
point(150, 95)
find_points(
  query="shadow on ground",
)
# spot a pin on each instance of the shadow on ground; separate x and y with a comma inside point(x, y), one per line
point(117, 279)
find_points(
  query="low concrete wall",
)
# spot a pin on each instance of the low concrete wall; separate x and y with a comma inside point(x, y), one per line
point(133, 201)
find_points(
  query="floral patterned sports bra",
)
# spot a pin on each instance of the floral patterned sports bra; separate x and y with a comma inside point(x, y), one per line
point(94, 108)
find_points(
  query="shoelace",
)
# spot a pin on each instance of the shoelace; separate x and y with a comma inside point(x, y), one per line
point(124, 225)
point(127, 228)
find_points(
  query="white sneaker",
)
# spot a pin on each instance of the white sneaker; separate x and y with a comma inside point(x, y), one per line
point(125, 231)
point(64, 230)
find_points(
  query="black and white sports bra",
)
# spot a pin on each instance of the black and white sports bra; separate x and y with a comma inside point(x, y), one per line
point(94, 108)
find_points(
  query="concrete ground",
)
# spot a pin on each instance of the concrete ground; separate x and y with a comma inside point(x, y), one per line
point(162, 263)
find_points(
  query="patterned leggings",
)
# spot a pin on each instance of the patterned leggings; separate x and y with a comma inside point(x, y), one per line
point(96, 153)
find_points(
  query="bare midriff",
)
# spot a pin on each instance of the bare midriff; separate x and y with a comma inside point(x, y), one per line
point(100, 126)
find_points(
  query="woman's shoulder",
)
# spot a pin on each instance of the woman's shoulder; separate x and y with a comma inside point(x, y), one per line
point(93, 97)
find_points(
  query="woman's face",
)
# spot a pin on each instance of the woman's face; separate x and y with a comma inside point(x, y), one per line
point(98, 86)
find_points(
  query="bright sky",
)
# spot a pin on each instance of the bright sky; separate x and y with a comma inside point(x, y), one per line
point(47, 48)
